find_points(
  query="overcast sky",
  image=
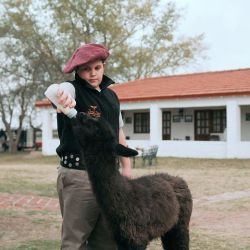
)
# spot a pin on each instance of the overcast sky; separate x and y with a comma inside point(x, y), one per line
point(226, 25)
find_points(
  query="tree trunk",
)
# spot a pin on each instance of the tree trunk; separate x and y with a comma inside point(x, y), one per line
point(13, 147)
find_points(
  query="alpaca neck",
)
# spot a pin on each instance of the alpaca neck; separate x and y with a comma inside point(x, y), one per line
point(102, 167)
point(106, 180)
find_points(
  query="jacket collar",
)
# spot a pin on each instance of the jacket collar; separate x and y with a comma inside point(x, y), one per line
point(106, 81)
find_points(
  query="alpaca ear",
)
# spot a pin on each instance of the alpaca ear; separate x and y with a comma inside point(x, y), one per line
point(125, 151)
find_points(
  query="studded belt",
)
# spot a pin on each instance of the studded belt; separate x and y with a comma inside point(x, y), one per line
point(72, 161)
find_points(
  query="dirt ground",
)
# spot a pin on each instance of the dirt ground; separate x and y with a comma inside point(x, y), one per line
point(220, 213)
point(226, 220)
point(206, 216)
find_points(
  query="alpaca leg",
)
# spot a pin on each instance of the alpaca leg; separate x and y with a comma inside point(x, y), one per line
point(176, 239)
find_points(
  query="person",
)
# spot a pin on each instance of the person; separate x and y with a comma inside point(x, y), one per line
point(83, 225)
point(3, 140)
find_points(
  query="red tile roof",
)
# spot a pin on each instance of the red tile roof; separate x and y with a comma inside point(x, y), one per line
point(221, 83)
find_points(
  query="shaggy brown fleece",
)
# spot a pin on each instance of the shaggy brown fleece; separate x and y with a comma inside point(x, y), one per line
point(138, 210)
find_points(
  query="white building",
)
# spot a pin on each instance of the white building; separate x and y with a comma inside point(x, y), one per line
point(205, 115)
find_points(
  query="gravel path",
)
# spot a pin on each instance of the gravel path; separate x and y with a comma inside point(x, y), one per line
point(47, 203)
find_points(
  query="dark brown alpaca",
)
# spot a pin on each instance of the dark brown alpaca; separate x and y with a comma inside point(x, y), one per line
point(138, 210)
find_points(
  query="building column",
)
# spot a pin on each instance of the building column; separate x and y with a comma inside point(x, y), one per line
point(155, 124)
point(46, 130)
point(233, 128)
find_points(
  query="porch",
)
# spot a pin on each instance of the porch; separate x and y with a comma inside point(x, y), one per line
point(203, 128)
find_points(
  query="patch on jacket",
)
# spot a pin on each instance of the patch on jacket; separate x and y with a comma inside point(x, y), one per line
point(92, 111)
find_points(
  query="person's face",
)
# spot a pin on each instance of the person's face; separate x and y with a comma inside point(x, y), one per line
point(92, 72)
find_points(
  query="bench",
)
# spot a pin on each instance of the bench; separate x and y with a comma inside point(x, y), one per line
point(148, 154)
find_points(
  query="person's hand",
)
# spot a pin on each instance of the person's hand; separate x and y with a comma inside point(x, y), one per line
point(65, 99)
point(127, 172)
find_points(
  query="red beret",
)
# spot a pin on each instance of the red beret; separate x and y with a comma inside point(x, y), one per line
point(85, 54)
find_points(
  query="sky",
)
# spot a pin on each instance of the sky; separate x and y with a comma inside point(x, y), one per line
point(226, 26)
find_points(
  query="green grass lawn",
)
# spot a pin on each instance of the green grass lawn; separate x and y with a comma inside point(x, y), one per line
point(214, 226)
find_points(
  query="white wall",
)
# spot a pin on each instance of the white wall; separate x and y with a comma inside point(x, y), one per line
point(197, 149)
point(49, 144)
point(179, 130)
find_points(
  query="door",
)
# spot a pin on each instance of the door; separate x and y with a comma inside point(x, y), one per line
point(166, 125)
point(202, 125)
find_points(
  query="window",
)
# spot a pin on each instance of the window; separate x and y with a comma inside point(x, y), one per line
point(141, 122)
point(55, 134)
point(218, 121)
point(209, 121)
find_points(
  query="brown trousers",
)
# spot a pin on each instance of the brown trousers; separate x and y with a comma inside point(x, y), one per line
point(83, 225)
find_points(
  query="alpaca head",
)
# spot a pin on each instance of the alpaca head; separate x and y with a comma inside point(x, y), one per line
point(93, 133)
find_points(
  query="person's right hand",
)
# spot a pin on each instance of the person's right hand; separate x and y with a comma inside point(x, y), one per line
point(65, 99)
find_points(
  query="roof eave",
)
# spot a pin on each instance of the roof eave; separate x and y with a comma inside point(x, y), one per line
point(154, 98)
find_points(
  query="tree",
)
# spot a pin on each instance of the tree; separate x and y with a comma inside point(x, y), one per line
point(29, 65)
point(141, 36)
point(38, 37)
point(13, 105)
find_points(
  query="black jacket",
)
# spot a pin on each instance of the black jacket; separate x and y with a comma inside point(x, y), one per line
point(89, 100)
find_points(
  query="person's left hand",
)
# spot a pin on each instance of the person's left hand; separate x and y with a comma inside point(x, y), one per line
point(127, 172)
